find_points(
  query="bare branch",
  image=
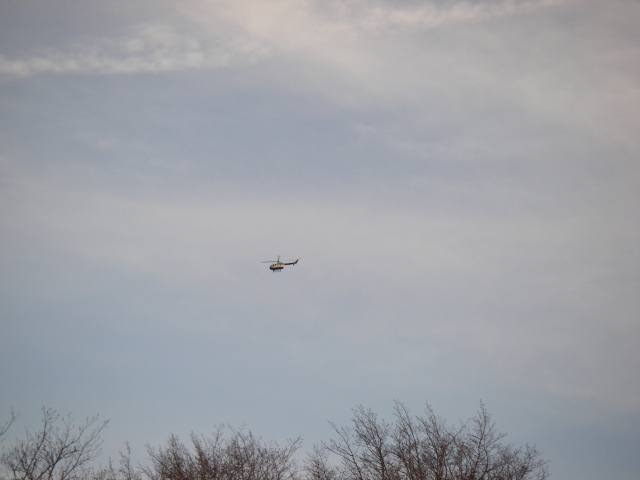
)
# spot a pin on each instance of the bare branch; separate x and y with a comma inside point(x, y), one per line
point(7, 425)
point(425, 448)
point(240, 456)
point(58, 451)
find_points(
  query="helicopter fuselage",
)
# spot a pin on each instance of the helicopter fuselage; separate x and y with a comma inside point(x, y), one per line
point(278, 265)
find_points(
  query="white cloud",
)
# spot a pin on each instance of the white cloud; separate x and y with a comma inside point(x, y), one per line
point(239, 32)
point(147, 49)
point(447, 59)
point(361, 50)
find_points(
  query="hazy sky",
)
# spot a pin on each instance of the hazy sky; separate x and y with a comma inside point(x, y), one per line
point(460, 179)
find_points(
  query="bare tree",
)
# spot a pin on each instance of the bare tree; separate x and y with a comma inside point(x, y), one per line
point(58, 451)
point(7, 425)
point(407, 448)
point(482, 455)
point(318, 467)
point(423, 448)
point(125, 470)
point(366, 449)
point(241, 456)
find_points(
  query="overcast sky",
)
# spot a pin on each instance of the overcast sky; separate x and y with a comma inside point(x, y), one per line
point(460, 179)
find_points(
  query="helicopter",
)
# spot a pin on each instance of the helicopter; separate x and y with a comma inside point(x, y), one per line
point(277, 265)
